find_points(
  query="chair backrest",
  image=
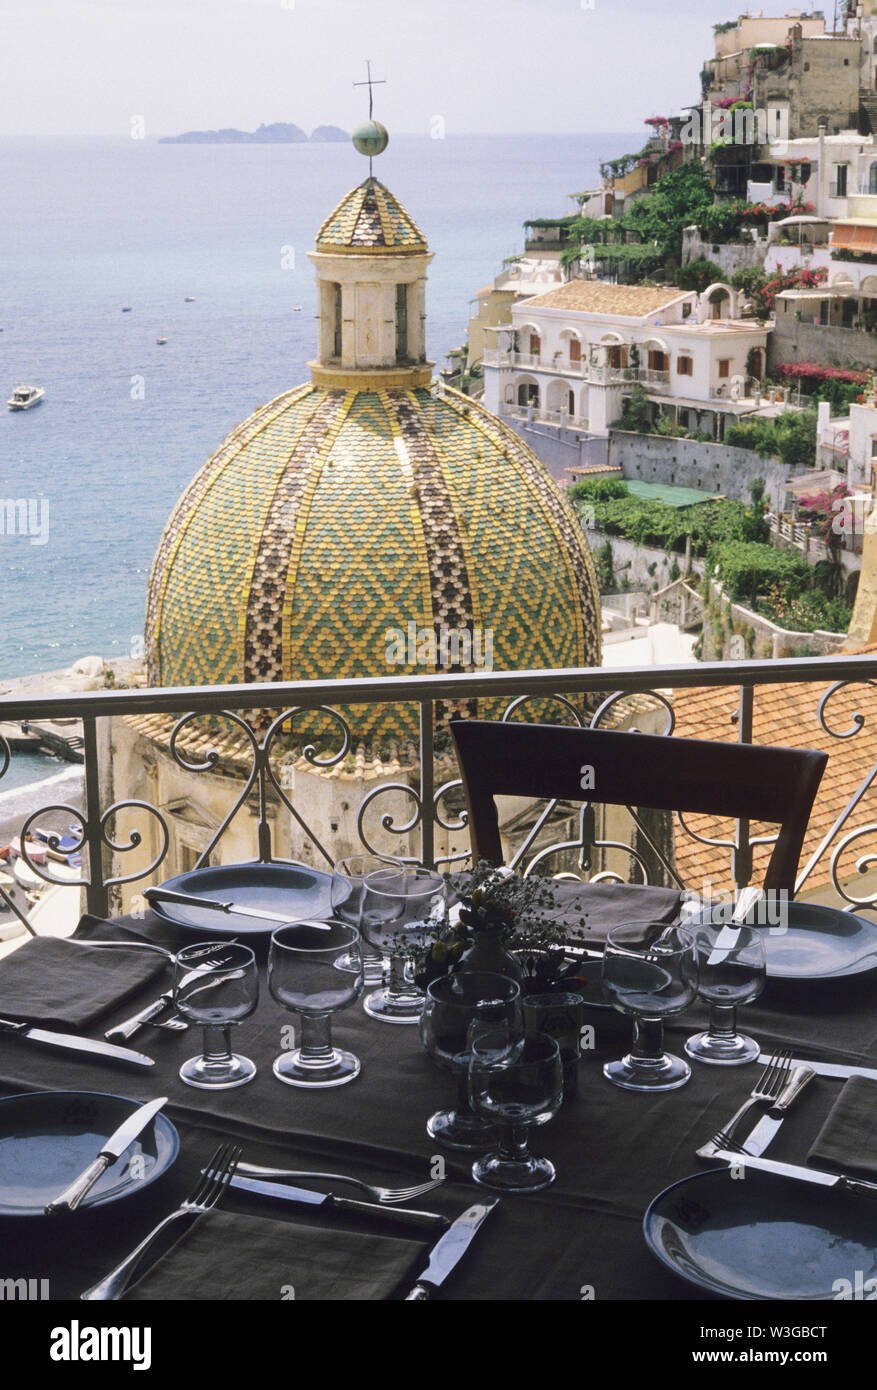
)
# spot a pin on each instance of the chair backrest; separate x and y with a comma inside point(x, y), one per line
point(741, 780)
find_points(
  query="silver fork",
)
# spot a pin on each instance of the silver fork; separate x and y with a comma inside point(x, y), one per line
point(387, 1196)
point(205, 1195)
point(767, 1088)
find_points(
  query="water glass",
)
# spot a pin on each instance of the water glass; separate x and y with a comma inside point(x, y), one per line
point(650, 973)
point(303, 976)
point(731, 971)
point(453, 1004)
point(348, 895)
point(218, 997)
point(514, 1088)
point(404, 910)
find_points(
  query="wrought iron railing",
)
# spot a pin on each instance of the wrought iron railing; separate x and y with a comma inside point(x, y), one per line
point(587, 695)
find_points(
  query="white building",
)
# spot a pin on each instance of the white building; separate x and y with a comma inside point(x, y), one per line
point(571, 356)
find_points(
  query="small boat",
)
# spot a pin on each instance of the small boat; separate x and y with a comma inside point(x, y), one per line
point(23, 397)
point(37, 852)
point(160, 341)
point(67, 844)
point(190, 299)
point(126, 308)
point(296, 308)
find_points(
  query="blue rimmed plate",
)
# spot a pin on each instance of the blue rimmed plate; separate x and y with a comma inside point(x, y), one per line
point(48, 1137)
point(763, 1236)
point(295, 890)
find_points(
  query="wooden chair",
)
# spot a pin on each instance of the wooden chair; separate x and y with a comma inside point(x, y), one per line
point(741, 780)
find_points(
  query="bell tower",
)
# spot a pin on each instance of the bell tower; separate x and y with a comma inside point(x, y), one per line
point(371, 260)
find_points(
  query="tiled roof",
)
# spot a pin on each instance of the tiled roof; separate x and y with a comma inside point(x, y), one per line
point(331, 519)
point(370, 219)
point(595, 297)
point(783, 715)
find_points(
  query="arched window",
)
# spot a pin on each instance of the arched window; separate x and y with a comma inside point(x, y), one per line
point(336, 346)
point(401, 323)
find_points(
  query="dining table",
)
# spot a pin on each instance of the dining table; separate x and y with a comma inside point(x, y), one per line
point(580, 1239)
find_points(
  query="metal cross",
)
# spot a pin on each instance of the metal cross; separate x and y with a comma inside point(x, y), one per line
point(371, 82)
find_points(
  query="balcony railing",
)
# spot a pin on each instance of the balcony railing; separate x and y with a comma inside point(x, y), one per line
point(590, 695)
point(596, 373)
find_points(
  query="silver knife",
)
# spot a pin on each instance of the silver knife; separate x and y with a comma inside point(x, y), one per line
point(837, 1069)
point(168, 895)
point(447, 1252)
point(767, 1126)
point(112, 1149)
point(799, 1174)
point(129, 1026)
point(302, 1197)
point(71, 1043)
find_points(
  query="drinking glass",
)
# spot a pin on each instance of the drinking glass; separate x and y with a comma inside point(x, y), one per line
point(513, 1088)
point(453, 1003)
point(404, 910)
point(303, 976)
point(649, 972)
point(348, 895)
point(731, 971)
point(217, 997)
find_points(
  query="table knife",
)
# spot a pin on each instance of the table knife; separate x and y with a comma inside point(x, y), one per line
point(129, 1026)
point(168, 895)
point(799, 1174)
point(405, 1216)
point(447, 1252)
point(837, 1069)
point(112, 1149)
point(71, 1043)
point(767, 1126)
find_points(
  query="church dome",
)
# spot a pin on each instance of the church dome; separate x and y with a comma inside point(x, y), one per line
point(370, 507)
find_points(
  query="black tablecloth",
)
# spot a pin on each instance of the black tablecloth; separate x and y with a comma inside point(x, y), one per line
point(613, 1150)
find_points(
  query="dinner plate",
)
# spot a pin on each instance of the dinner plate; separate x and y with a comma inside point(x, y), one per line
point(47, 1138)
point(295, 890)
point(817, 943)
point(763, 1236)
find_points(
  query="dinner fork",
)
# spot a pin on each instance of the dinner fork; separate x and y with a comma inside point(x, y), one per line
point(387, 1196)
point(767, 1088)
point(206, 1193)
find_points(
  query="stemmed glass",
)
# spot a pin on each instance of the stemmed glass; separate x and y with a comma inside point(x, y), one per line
point(649, 972)
point(732, 970)
point(453, 1004)
point(348, 896)
point(404, 910)
point(217, 997)
point(303, 976)
point(513, 1088)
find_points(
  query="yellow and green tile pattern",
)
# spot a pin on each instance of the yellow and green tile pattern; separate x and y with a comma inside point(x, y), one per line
point(330, 517)
point(369, 219)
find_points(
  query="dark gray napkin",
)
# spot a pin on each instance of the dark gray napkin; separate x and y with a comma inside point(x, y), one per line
point(58, 983)
point(847, 1142)
point(597, 907)
point(224, 1256)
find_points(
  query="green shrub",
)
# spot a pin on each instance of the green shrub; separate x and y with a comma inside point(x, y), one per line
point(599, 490)
point(698, 274)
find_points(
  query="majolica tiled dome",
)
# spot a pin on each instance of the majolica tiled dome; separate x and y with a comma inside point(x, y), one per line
point(370, 219)
point(359, 504)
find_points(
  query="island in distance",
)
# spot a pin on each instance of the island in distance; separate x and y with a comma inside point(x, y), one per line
point(279, 133)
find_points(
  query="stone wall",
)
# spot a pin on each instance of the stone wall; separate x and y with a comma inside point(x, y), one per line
point(725, 623)
point(562, 449)
point(642, 566)
point(651, 458)
point(796, 341)
point(730, 256)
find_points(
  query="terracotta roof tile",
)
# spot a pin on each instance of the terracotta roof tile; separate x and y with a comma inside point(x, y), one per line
point(595, 297)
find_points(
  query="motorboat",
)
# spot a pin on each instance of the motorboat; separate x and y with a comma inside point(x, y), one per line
point(24, 397)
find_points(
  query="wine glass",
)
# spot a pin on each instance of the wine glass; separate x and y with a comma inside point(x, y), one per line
point(217, 997)
point(348, 894)
point(453, 1003)
point(404, 909)
point(513, 1087)
point(649, 972)
point(732, 971)
point(303, 976)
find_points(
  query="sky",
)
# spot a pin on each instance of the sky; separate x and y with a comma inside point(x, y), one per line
point(94, 67)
